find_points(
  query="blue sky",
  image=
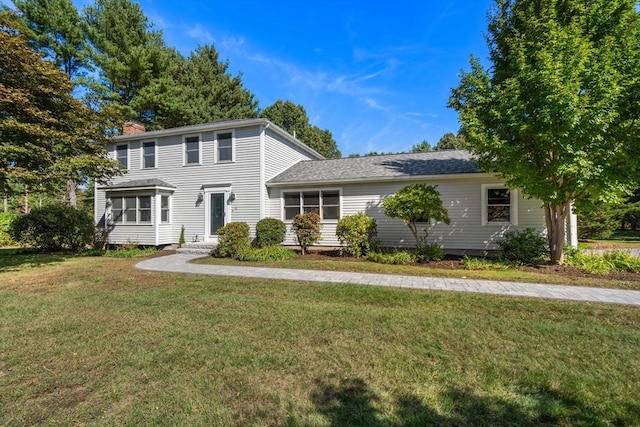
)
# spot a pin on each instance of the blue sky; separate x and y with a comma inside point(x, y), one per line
point(376, 74)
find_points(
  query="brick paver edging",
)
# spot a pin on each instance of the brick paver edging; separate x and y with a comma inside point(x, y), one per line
point(179, 263)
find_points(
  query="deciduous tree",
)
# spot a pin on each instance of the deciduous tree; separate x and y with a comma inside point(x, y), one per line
point(556, 113)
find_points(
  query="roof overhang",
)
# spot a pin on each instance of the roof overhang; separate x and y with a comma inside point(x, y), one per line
point(372, 180)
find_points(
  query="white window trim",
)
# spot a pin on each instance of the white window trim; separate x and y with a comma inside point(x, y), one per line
point(184, 149)
point(216, 152)
point(170, 207)
point(300, 191)
point(513, 195)
point(128, 223)
point(226, 190)
point(155, 153)
point(115, 153)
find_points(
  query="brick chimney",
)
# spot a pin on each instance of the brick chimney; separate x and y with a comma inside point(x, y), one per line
point(131, 127)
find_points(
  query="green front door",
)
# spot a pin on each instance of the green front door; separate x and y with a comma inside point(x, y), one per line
point(217, 212)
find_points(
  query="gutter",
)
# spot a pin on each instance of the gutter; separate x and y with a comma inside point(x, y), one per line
point(459, 176)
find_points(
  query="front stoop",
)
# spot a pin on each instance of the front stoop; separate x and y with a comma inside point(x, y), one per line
point(197, 248)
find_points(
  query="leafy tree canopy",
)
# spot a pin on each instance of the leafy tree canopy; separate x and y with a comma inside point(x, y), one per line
point(423, 147)
point(556, 113)
point(293, 118)
point(450, 141)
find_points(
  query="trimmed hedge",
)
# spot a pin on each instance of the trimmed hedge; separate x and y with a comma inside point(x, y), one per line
point(232, 238)
point(270, 232)
point(359, 233)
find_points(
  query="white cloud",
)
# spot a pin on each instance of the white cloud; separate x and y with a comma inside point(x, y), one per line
point(374, 104)
point(200, 33)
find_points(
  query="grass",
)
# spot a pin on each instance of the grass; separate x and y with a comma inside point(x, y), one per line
point(476, 269)
point(93, 341)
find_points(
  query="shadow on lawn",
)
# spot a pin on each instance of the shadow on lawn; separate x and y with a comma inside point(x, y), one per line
point(353, 403)
point(16, 259)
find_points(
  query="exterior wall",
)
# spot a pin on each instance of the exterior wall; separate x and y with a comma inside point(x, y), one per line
point(242, 176)
point(462, 198)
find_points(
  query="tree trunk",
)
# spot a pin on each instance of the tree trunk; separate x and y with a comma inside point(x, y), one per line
point(556, 217)
point(72, 195)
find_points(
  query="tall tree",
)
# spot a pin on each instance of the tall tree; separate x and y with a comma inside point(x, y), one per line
point(556, 113)
point(46, 135)
point(196, 90)
point(293, 118)
point(58, 31)
point(450, 141)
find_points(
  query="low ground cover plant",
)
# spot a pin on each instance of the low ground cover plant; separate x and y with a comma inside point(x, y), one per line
point(267, 253)
point(396, 257)
point(609, 262)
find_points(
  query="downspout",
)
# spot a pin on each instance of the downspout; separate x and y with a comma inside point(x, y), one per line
point(572, 226)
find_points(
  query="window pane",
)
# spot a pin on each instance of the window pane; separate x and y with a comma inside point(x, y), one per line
point(330, 212)
point(130, 215)
point(116, 203)
point(225, 154)
point(330, 198)
point(193, 157)
point(290, 212)
point(192, 147)
point(315, 209)
point(122, 153)
point(129, 202)
point(225, 143)
point(145, 202)
point(149, 154)
point(164, 215)
point(292, 199)
point(311, 199)
point(498, 196)
point(145, 215)
point(164, 202)
point(116, 215)
point(498, 213)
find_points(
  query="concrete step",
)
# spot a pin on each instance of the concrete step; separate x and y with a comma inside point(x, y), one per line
point(203, 248)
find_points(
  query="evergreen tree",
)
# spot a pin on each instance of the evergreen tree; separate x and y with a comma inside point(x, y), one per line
point(449, 141)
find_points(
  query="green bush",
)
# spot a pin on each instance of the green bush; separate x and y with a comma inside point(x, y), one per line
point(609, 262)
point(54, 227)
point(474, 263)
point(524, 247)
point(400, 257)
point(270, 232)
point(6, 218)
point(181, 240)
point(359, 233)
point(426, 253)
point(306, 227)
point(231, 238)
point(267, 253)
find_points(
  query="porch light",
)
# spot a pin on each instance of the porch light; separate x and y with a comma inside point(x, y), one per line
point(200, 197)
point(232, 197)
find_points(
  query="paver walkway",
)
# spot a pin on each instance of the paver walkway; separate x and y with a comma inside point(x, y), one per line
point(179, 263)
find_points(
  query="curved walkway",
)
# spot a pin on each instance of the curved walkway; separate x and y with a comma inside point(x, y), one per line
point(179, 263)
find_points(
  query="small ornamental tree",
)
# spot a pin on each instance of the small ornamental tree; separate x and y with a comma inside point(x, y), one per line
point(270, 232)
point(306, 227)
point(416, 203)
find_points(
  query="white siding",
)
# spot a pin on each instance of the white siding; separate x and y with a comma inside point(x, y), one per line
point(462, 198)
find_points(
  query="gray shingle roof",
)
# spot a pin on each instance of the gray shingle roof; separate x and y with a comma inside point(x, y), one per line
point(369, 168)
point(140, 183)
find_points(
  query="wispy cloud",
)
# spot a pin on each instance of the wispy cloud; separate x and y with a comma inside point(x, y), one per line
point(200, 33)
point(374, 104)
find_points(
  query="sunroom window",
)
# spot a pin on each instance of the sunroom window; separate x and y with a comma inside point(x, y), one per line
point(325, 203)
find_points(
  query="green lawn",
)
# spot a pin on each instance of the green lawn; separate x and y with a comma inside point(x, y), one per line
point(93, 341)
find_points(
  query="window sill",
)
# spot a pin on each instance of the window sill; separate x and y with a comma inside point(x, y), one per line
point(191, 165)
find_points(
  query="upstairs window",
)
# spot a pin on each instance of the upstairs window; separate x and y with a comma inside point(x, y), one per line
point(148, 155)
point(325, 203)
point(192, 150)
point(122, 155)
point(225, 147)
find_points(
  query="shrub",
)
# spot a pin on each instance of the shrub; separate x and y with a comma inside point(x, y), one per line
point(400, 257)
point(267, 253)
point(359, 232)
point(306, 227)
point(270, 232)
point(6, 218)
point(609, 262)
point(231, 238)
point(426, 253)
point(181, 241)
point(54, 227)
point(524, 247)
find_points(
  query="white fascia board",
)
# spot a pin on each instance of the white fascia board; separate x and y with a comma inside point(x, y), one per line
point(441, 177)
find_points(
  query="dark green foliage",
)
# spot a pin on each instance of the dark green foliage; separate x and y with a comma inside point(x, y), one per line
point(400, 257)
point(423, 147)
point(232, 238)
point(429, 252)
point(6, 218)
point(306, 227)
point(267, 253)
point(182, 241)
point(606, 263)
point(293, 118)
point(54, 227)
point(599, 222)
point(524, 247)
point(449, 141)
point(359, 233)
point(270, 232)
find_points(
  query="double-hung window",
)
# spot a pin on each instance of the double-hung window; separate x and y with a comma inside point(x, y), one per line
point(122, 155)
point(131, 209)
point(192, 150)
point(225, 147)
point(325, 203)
point(498, 205)
point(164, 209)
point(148, 155)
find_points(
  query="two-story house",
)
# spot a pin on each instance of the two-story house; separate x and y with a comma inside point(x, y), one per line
point(202, 177)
